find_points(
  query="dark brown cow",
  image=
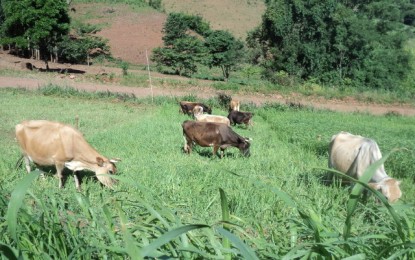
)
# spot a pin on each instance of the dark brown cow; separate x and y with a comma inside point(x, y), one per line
point(217, 135)
point(186, 107)
point(237, 117)
point(48, 143)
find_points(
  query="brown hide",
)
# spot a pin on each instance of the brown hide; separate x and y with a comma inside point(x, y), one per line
point(186, 107)
point(217, 135)
point(49, 143)
point(237, 117)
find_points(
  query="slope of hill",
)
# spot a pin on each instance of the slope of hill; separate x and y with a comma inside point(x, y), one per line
point(236, 16)
point(132, 32)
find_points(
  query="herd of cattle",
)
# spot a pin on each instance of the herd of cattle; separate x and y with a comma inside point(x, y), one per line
point(48, 143)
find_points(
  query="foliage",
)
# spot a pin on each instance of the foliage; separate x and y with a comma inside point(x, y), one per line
point(274, 205)
point(335, 41)
point(77, 50)
point(183, 56)
point(156, 4)
point(224, 51)
point(35, 24)
point(182, 50)
point(179, 25)
point(124, 67)
point(189, 42)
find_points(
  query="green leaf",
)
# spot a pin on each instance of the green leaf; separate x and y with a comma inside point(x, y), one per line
point(8, 252)
point(225, 218)
point(245, 251)
point(16, 201)
point(167, 237)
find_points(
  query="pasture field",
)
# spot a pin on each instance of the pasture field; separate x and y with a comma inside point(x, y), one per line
point(275, 204)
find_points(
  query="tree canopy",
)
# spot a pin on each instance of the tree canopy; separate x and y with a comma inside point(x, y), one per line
point(189, 42)
point(335, 41)
point(34, 24)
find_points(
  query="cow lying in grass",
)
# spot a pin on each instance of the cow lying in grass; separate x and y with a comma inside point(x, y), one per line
point(200, 117)
point(353, 154)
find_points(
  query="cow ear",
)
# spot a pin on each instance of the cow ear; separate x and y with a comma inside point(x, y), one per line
point(115, 160)
point(100, 161)
point(247, 139)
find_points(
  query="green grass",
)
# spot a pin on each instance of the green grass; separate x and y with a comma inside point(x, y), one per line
point(270, 205)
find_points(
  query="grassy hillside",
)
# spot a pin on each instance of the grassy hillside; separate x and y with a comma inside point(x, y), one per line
point(279, 203)
point(237, 16)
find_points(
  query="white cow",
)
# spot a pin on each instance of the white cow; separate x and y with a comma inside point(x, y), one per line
point(352, 154)
point(200, 117)
point(49, 143)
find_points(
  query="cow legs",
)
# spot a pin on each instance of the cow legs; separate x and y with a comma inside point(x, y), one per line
point(215, 150)
point(187, 145)
point(27, 164)
point(59, 170)
point(76, 178)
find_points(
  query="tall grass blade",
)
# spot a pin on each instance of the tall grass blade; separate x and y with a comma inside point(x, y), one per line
point(356, 257)
point(245, 251)
point(16, 202)
point(167, 237)
point(357, 191)
point(132, 250)
point(8, 252)
point(404, 248)
point(225, 218)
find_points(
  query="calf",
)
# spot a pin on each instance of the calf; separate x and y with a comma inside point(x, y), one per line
point(237, 117)
point(353, 154)
point(234, 105)
point(217, 135)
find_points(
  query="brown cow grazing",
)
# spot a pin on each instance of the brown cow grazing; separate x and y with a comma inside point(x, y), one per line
point(48, 143)
point(234, 105)
point(237, 117)
point(186, 107)
point(353, 154)
point(217, 135)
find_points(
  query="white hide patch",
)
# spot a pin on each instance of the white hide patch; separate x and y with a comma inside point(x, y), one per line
point(75, 165)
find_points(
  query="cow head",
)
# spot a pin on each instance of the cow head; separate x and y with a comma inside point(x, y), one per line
point(390, 188)
point(106, 167)
point(207, 109)
point(243, 145)
point(197, 110)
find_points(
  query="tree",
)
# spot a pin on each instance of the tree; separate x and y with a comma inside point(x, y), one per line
point(334, 41)
point(189, 41)
point(225, 51)
point(35, 24)
point(182, 56)
point(183, 43)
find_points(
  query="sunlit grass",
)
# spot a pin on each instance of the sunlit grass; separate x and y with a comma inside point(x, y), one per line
point(274, 204)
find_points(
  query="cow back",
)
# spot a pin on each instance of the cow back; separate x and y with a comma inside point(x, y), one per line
point(47, 142)
point(352, 154)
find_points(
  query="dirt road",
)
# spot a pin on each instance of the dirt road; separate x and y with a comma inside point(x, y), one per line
point(36, 80)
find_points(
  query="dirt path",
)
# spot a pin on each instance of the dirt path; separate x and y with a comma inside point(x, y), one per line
point(258, 99)
point(33, 81)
